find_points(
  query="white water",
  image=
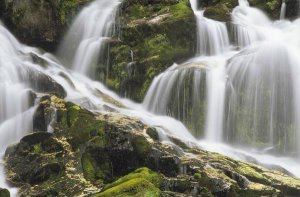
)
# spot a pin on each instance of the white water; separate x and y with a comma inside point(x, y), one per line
point(84, 46)
point(252, 94)
point(212, 35)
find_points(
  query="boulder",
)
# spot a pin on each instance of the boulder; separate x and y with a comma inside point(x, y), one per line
point(156, 34)
point(105, 154)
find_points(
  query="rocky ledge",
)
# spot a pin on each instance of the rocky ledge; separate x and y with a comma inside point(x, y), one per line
point(110, 154)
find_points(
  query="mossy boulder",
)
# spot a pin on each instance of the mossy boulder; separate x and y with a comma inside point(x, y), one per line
point(110, 154)
point(4, 193)
point(141, 182)
point(153, 35)
point(40, 23)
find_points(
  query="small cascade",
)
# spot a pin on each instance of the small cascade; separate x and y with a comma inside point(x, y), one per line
point(249, 24)
point(216, 83)
point(180, 92)
point(212, 35)
point(282, 10)
point(260, 110)
point(85, 44)
point(15, 114)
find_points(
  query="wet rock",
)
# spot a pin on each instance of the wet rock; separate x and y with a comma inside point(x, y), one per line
point(157, 34)
point(4, 193)
point(40, 23)
point(43, 83)
point(92, 154)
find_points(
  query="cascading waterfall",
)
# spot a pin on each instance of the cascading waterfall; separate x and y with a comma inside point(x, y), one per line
point(180, 92)
point(248, 95)
point(249, 24)
point(260, 91)
point(251, 94)
point(212, 35)
point(84, 46)
point(16, 113)
point(195, 84)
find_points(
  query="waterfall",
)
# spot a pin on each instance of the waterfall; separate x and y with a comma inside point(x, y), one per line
point(260, 92)
point(84, 46)
point(248, 97)
point(249, 24)
point(180, 92)
point(282, 10)
point(16, 113)
point(212, 35)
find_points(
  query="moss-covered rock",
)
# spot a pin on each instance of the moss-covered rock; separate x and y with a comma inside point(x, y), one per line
point(220, 9)
point(40, 22)
point(141, 182)
point(104, 154)
point(156, 34)
point(4, 193)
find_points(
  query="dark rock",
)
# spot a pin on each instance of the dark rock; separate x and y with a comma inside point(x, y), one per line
point(4, 193)
point(43, 83)
point(40, 23)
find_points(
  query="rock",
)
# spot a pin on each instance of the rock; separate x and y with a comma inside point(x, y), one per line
point(43, 83)
point(4, 193)
point(40, 23)
point(104, 154)
point(157, 34)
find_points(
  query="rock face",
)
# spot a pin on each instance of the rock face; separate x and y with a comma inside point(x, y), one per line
point(153, 35)
point(106, 155)
point(39, 22)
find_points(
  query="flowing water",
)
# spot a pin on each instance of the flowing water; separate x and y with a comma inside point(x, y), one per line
point(85, 44)
point(244, 96)
point(248, 93)
point(283, 10)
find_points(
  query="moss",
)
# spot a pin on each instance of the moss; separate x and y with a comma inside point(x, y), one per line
point(158, 34)
point(4, 193)
point(135, 188)
point(141, 146)
point(37, 149)
point(67, 7)
point(88, 167)
point(219, 12)
point(141, 182)
point(197, 176)
point(144, 173)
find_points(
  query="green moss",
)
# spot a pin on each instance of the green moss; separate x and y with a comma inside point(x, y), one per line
point(67, 7)
point(137, 187)
point(141, 182)
point(144, 173)
point(4, 193)
point(88, 167)
point(37, 149)
point(156, 44)
point(93, 170)
point(141, 145)
point(197, 176)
